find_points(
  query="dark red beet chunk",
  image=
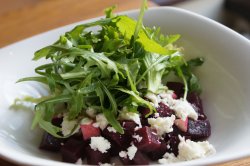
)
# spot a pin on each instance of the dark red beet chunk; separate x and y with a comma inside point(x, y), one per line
point(199, 129)
point(121, 140)
point(177, 87)
point(95, 157)
point(157, 154)
point(73, 150)
point(139, 159)
point(50, 143)
point(172, 145)
point(150, 140)
point(129, 127)
point(164, 110)
point(196, 102)
point(143, 111)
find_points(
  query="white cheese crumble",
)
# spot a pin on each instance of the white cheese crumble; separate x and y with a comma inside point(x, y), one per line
point(130, 153)
point(101, 121)
point(162, 125)
point(189, 150)
point(168, 158)
point(69, 125)
point(111, 129)
point(79, 162)
point(126, 115)
point(153, 98)
point(184, 109)
point(123, 154)
point(100, 143)
point(91, 112)
point(137, 137)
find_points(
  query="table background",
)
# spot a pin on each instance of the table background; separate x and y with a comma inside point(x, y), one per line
point(20, 19)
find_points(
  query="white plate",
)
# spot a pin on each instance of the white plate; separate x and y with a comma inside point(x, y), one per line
point(224, 78)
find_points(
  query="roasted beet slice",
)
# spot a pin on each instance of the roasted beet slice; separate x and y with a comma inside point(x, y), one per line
point(139, 159)
point(172, 145)
point(149, 142)
point(95, 157)
point(199, 129)
point(177, 87)
point(196, 102)
point(164, 110)
point(51, 143)
point(157, 154)
point(129, 127)
point(88, 131)
point(72, 150)
point(121, 140)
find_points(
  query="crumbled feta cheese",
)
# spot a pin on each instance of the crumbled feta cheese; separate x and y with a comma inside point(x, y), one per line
point(184, 109)
point(131, 152)
point(126, 115)
point(100, 143)
point(137, 137)
point(91, 112)
point(123, 154)
point(156, 115)
point(153, 98)
point(168, 158)
point(189, 150)
point(69, 125)
point(162, 124)
point(111, 129)
point(101, 121)
point(79, 162)
point(167, 98)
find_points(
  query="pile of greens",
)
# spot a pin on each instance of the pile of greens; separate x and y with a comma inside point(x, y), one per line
point(111, 68)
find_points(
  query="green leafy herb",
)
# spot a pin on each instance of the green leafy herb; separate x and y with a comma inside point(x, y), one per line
point(105, 69)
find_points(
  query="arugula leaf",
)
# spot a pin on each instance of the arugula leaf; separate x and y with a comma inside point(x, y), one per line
point(105, 69)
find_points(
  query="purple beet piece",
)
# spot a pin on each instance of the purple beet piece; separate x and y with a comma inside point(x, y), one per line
point(129, 127)
point(172, 145)
point(177, 87)
point(139, 159)
point(143, 111)
point(50, 143)
point(95, 157)
point(199, 129)
point(157, 154)
point(164, 110)
point(150, 140)
point(72, 150)
point(196, 102)
point(121, 140)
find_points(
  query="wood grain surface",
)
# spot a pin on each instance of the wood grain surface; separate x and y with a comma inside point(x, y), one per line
point(20, 19)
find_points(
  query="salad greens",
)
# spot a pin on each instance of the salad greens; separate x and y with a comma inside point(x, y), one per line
point(108, 69)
